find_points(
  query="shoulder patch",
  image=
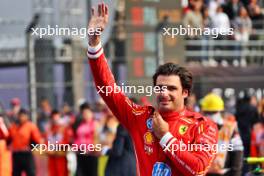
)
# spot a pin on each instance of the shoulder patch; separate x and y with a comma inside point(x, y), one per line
point(136, 109)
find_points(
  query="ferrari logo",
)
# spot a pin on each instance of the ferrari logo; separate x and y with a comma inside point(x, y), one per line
point(183, 129)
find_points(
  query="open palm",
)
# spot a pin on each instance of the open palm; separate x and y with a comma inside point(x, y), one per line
point(99, 20)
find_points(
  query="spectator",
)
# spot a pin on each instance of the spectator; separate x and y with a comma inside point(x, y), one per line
point(107, 131)
point(257, 18)
point(243, 26)
point(212, 7)
point(246, 115)
point(232, 9)
point(21, 135)
point(221, 23)
point(242, 30)
point(84, 133)
point(258, 131)
point(57, 161)
point(228, 163)
point(194, 19)
point(67, 115)
point(121, 155)
point(207, 23)
point(43, 116)
point(5, 159)
point(191, 103)
point(261, 107)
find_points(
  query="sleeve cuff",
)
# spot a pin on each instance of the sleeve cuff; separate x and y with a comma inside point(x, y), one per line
point(95, 52)
point(165, 139)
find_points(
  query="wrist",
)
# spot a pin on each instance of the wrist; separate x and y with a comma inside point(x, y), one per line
point(162, 134)
point(94, 41)
point(95, 51)
point(165, 139)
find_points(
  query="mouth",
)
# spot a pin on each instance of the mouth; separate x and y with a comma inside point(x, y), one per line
point(164, 102)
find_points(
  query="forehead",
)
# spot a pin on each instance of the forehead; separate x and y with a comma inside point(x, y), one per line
point(172, 80)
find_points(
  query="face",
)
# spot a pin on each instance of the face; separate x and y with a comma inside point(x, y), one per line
point(243, 12)
point(56, 117)
point(172, 98)
point(87, 114)
point(198, 5)
point(22, 118)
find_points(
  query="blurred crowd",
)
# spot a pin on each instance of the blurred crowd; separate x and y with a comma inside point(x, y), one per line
point(244, 17)
point(240, 123)
point(90, 125)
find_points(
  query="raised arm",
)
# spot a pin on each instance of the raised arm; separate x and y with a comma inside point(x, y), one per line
point(105, 83)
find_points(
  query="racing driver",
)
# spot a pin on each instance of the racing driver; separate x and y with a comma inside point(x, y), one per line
point(160, 136)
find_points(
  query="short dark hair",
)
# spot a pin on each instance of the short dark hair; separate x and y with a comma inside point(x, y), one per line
point(23, 112)
point(84, 106)
point(54, 112)
point(174, 69)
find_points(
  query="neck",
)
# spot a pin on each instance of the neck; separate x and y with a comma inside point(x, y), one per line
point(170, 115)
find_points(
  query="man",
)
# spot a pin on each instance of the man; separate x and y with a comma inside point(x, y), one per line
point(121, 155)
point(156, 134)
point(229, 159)
point(56, 133)
point(246, 116)
point(21, 134)
point(85, 133)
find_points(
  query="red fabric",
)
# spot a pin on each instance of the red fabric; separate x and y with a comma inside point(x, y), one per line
point(22, 135)
point(57, 166)
point(253, 147)
point(57, 161)
point(151, 158)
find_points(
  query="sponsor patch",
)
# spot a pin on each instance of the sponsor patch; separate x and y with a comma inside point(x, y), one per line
point(183, 129)
point(148, 138)
point(148, 149)
point(161, 169)
point(149, 124)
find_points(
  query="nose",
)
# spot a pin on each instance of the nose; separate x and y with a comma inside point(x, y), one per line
point(164, 93)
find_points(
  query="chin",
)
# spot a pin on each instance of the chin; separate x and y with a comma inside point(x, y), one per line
point(163, 108)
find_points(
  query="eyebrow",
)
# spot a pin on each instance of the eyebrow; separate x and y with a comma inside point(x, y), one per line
point(168, 86)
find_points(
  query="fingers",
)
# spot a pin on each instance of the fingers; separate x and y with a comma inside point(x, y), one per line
point(106, 10)
point(92, 11)
point(99, 9)
point(102, 10)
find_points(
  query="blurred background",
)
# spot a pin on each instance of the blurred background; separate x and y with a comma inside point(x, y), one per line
point(52, 73)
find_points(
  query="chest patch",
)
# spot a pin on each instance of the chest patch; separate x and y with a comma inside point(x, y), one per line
point(183, 129)
point(161, 169)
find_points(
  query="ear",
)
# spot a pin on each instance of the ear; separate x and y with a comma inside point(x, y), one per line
point(185, 93)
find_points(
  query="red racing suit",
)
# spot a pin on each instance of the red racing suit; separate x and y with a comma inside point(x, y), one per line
point(157, 157)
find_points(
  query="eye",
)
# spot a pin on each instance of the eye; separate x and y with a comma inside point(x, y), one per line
point(172, 88)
